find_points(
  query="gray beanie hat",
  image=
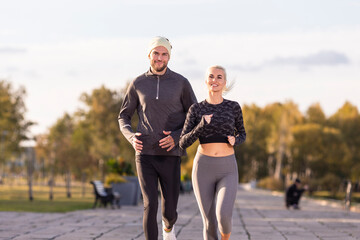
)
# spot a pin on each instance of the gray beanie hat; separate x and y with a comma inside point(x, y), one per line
point(160, 41)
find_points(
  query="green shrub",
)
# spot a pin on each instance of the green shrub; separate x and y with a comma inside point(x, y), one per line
point(120, 166)
point(271, 184)
point(114, 178)
point(330, 182)
point(185, 177)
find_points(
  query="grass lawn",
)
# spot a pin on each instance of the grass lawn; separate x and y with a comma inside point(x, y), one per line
point(355, 197)
point(326, 195)
point(16, 198)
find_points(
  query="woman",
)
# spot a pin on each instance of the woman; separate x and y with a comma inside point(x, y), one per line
point(218, 124)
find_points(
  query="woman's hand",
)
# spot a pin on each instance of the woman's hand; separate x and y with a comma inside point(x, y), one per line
point(208, 118)
point(231, 140)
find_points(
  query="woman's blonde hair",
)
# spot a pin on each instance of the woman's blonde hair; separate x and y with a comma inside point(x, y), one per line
point(228, 86)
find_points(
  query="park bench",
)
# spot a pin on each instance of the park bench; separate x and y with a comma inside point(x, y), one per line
point(105, 195)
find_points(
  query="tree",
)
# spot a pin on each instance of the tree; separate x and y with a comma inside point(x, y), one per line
point(76, 144)
point(104, 141)
point(347, 119)
point(62, 148)
point(45, 153)
point(318, 150)
point(252, 155)
point(306, 147)
point(315, 114)
point(281, 117)
point(13, 125)
point(85, 164)
point(100, 116)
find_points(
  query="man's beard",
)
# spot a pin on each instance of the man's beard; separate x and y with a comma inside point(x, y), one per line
point(158, 68)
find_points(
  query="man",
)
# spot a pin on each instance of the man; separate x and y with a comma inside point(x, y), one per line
point(162, 99)
point(293, 194)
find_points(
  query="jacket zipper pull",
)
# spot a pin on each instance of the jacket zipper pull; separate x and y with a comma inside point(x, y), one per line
point(157, 89)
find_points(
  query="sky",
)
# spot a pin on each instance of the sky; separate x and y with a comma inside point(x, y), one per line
point(274, 50)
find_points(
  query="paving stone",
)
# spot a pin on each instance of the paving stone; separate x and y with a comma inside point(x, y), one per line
point(258, 215)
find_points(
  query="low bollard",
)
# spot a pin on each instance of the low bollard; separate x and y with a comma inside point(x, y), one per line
point(348, 196)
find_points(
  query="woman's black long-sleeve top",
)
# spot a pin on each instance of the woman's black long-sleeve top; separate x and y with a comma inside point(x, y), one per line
point(227, 120)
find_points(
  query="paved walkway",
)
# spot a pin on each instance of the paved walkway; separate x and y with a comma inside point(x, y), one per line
point(258, 215)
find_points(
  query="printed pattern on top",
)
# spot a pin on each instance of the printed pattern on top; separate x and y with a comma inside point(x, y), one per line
point(227, 120)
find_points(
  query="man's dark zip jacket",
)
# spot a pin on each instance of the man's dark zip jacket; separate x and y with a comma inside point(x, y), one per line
point(162, 102)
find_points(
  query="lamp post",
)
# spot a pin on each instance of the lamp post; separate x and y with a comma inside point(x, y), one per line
point(2, 154)
point(52, 172)
point(30, 156)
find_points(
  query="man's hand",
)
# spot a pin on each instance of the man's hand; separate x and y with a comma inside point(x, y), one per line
point(167, 142)
point(137, 144)
point(231, 140)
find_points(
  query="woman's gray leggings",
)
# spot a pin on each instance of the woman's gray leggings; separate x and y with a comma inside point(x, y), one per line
point(215, 181)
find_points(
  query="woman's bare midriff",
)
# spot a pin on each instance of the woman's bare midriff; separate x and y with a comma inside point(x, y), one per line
point(216, 149)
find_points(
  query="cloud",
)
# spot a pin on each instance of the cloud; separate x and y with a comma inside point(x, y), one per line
point(189, 62)
point(191, 73)
point(354, 4)
point(11, 50)
point(325, 58)
point(247, 67)
point(71, 73)
point(32, 74)
point(12, 69)
point(170, 2)
point(321, 58)
point(18, 71)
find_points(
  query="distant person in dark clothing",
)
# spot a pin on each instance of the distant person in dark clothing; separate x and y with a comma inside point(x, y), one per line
point(293, 194)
